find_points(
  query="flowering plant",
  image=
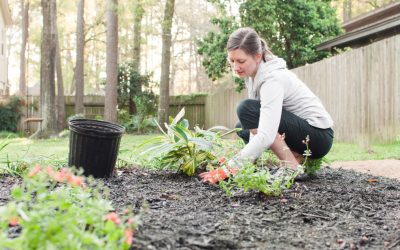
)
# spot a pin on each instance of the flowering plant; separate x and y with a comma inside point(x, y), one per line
point(62, 210)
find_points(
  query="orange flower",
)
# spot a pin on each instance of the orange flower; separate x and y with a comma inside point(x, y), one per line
point(113, 217)
point(13, 221)
point(77, 181)
point(62, 175)
point(128, 236)
point(214, 176)
point(34, 171)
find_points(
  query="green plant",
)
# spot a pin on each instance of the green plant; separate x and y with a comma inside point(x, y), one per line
point(63, 210)
point(183, 149)
point(6, 166)
point(251, 177)
point(9, 135)
point(311, 165)
point(10, 113)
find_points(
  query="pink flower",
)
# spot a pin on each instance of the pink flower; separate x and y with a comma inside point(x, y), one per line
point(50, 171)
point(128, 236)
point(77, 181)
point(113, 217)
point(13, 221)
point(34, 171)
point(62, 175)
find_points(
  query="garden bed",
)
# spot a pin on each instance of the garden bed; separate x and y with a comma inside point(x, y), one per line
point(337, 209)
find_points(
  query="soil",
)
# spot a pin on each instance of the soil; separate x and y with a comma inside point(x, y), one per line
point(338, 209)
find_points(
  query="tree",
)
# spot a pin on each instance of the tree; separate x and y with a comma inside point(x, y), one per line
point(137, 27)
point(165, 62)
point(292, 29)
point(79, 67)
point(60, 103)
point(110, 106)
point(24, 28)
point(47, 85)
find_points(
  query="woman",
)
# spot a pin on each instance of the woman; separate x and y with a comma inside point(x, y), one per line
point(279, 104)
point(281, 114)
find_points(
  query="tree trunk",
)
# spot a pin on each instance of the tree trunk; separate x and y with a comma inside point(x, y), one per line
point(165, 62)
point(60, 106)
point(110, 105)
point(24, 27)
point(137, 31)
point(79, 68)
point(47, 85)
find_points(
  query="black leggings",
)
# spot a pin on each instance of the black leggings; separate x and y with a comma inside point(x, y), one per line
point(295, 128)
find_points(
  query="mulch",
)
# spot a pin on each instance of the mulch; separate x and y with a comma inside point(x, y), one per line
point(338, 209)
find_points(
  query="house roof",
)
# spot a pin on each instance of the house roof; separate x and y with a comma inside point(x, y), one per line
point(380, 22)
point(5, 11)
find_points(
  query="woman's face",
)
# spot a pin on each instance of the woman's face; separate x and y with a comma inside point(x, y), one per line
point(244, 65)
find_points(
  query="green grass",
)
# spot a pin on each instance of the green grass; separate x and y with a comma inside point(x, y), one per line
point(52, 151)
point(353, 152)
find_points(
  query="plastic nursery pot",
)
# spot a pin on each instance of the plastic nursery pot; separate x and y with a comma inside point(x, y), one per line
point(93, 146)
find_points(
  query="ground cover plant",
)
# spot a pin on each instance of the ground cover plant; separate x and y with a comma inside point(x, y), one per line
point(57, 209)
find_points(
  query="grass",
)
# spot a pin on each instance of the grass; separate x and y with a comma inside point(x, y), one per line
point(56, 150)
point(353, 152)
point(53, 151)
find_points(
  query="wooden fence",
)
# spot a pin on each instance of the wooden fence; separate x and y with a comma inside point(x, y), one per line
point(359, 88)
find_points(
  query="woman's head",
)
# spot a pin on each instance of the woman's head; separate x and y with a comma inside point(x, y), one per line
point(245, 51)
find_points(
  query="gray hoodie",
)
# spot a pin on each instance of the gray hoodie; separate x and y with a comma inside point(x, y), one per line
point(277, 87)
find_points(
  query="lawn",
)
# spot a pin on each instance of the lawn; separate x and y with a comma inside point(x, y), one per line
point(50, 150)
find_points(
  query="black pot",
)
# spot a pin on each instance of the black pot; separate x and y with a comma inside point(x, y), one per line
point(93, 145)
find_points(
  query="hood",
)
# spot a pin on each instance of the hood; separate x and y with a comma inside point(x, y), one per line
point(265, 68)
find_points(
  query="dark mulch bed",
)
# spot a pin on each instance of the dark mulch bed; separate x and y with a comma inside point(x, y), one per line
point(339, 209)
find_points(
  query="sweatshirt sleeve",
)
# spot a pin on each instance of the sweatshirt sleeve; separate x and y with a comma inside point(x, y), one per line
point(271, 97)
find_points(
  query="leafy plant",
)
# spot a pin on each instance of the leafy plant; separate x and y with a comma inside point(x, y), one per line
point(251, 177)
point(311, 165)
point(10, 113)
point(183, 149)
point(62, 210)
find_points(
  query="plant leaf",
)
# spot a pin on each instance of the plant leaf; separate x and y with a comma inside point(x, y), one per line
point(179, 116)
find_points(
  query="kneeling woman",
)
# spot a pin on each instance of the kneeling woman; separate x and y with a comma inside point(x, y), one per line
point(279, 104)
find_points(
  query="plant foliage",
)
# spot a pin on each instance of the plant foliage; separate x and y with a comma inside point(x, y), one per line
point(10, 113)
point(60, 210)
point(183, 149)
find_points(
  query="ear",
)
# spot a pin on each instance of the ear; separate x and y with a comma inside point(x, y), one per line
point(258, 57)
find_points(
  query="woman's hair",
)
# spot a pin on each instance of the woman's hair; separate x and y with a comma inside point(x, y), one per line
point(248, 40)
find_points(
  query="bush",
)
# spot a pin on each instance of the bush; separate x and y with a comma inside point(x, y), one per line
point(10, 113)
point(60, 210)
point(9, 135)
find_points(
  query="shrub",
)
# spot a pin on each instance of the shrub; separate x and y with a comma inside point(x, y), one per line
point(10, 113)
point(60, 210)
point(183, 149)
